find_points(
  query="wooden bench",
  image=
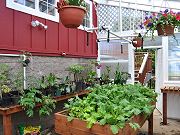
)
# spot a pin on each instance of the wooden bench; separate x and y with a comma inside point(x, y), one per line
point(165, 90)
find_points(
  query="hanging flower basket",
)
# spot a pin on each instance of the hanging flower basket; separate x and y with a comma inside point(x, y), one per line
point(165, 30)
point(164, 22)
point(71, 16)
point(137, 42)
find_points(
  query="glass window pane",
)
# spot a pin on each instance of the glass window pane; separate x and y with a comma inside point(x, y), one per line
point(86, 21)
point(51, 10)
point(19, 1)
point(174, 71)
point(51, 2)
point(30, 3)
point(174, 58)
point(43, 6)
point(174, 48)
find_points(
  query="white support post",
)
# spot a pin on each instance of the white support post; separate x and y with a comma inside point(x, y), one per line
point(98, 70)
point(165, 58)
point(131, 62)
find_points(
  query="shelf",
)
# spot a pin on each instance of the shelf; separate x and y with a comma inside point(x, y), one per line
point(18, 108)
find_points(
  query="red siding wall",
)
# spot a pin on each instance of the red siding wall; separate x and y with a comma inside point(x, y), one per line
point(17, 34)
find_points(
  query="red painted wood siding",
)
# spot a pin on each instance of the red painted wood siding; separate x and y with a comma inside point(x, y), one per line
point(16, 34)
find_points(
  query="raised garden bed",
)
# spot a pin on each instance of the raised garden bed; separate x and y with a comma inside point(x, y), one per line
point(107, 110)
point(78, 127)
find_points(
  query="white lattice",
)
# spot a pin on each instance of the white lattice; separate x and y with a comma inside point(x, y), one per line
point(109, 15)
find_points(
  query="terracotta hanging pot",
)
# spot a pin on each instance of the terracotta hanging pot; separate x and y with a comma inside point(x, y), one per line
point(71, 16)
point(165, 30)
point(137, 42)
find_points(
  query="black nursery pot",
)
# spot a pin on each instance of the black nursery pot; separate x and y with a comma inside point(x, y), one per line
point(80, 86)
point(15, 97)
point(15, 100)
point(5, 102)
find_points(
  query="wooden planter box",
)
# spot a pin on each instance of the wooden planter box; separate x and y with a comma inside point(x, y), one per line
point(78, 127)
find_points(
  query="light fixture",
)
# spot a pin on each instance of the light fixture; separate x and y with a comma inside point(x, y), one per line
point(39, 24)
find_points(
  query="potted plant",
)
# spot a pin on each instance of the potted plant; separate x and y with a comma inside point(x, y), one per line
point(105, 77)
point(164, 22)
point(107, 110)
point(31, 98)
point(5, 96)
point(138, 41)
point(120, 77)
point(71, 12)
point(76, 70)
point(48, 84)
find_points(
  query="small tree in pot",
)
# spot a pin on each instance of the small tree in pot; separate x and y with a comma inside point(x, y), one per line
point(76, 70)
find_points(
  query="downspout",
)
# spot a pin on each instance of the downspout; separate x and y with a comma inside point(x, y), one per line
point(24, 73)
point(24, 68)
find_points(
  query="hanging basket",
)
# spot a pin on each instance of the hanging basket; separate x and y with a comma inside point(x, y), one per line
point(71, 16)
point(165, 30)
point(137, 42)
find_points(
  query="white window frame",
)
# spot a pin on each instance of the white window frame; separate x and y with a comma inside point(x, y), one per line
point(81, 27)
point(166, 60)
point(36, 12)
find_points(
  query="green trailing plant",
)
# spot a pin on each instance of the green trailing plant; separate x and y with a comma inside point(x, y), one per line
point(32, 97)
point(112, 104)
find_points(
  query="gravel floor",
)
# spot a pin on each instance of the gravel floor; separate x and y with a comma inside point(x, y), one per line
point(173, 127)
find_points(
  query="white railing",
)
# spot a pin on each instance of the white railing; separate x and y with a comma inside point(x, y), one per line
point(143, 63)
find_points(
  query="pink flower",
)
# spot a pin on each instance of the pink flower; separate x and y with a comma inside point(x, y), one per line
point(165, 15)
point(178, 17)
point(154, 14)
point(146, 22)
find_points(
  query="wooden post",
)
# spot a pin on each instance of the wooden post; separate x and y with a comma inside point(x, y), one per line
point(164, 108)
point(150, 124)
point(7, 125)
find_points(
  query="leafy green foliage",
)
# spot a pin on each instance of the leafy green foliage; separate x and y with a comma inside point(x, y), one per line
point(48, 104)
point(120, 77)
point(106, 75)
point(75, 69)
point(112, 104)
point(30, 99)
point(48, 81)
point(76, 2)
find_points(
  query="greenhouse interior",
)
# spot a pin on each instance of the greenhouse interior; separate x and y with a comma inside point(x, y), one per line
point(90, 67)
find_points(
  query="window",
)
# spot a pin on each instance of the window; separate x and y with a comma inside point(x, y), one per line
point(87, 22)
point(41, 8)
point(27, 3)
point(174, 59)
